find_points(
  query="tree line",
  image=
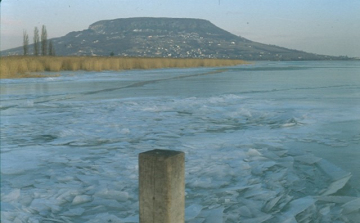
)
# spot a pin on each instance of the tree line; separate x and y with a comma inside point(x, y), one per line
point(41, 44)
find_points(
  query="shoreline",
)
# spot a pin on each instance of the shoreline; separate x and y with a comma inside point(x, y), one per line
point(13, 67)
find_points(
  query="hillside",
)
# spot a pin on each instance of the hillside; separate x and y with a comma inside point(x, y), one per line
point(166, 37)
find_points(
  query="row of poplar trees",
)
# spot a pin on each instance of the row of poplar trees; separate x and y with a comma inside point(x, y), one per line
point(41, 45)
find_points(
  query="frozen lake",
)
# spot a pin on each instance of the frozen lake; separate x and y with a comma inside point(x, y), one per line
point(268, 142)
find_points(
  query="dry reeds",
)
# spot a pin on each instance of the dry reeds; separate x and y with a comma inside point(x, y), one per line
point(23, 66)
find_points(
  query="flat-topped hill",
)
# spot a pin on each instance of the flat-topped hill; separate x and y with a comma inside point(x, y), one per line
point(166, 37)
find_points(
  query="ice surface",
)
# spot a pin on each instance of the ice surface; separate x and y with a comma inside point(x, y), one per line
point(271, 203)
point(131, 219)
point(337, 185)
point(351, 206)
point(299, 205)
point(20, 162)
point(71, 154)
point(192, 211)
point(80, 199)
point(333, 171)
point(258, 219)
point(335, 199)
point(216, 215)
point(74, 212)
point(104, 217)
point(307, 159)
point(12, 196)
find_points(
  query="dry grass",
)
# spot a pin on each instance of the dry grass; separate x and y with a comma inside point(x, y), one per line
point(24, 66)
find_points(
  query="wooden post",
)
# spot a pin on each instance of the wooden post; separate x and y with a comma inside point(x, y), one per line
point(162, 186)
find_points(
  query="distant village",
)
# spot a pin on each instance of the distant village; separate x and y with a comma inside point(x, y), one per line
point(177, 46)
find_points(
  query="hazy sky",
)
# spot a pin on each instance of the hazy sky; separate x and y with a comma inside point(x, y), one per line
point(329, 27)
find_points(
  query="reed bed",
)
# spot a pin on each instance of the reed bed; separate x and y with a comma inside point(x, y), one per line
point(31, 66)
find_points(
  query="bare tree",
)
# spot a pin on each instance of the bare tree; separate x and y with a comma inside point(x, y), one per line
point(51, 49)
point(25, 42)
point(36, 41)
point(43, 41)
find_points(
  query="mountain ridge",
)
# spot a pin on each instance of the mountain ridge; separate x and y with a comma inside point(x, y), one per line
point(166, 37)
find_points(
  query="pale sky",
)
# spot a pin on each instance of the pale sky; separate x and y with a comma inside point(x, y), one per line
point(330, 27)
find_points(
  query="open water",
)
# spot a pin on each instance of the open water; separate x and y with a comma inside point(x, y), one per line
point(266, 142)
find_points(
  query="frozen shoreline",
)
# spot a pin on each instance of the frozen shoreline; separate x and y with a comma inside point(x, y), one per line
point(71, 156)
